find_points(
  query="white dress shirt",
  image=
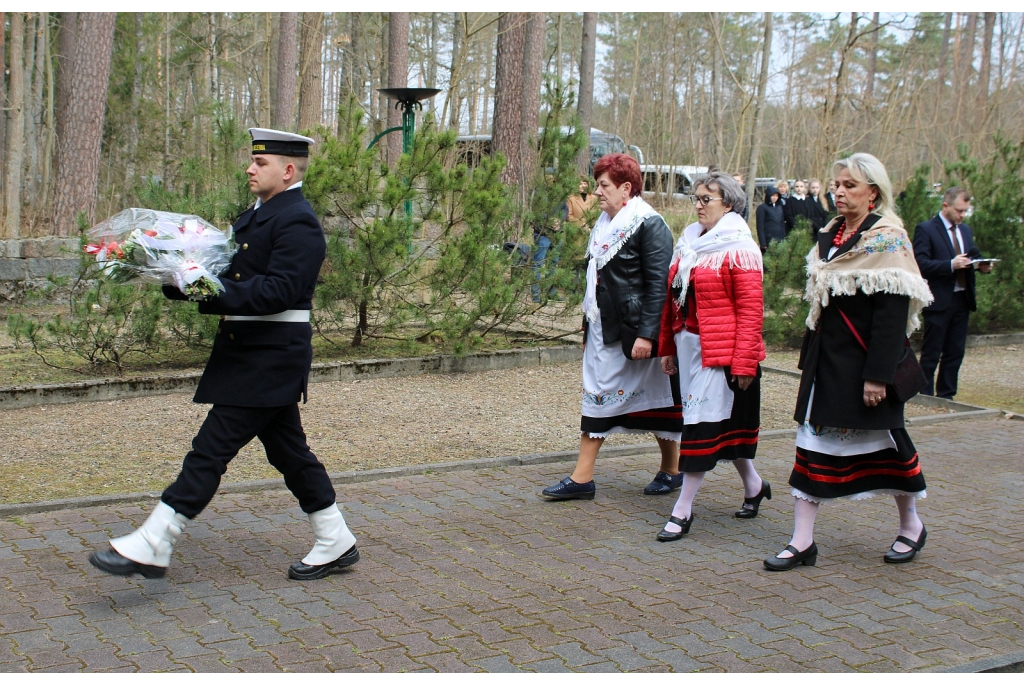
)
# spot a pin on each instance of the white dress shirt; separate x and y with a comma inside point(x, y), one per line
point(950, 228)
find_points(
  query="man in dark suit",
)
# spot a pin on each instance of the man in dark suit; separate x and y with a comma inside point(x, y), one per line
point(944, 249)
point(257, 372)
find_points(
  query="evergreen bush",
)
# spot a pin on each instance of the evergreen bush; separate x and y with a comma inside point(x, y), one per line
point(785, 279)
point(997, 187)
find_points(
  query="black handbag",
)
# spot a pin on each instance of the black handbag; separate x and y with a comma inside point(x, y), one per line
point(628, 336)
point(909, 379)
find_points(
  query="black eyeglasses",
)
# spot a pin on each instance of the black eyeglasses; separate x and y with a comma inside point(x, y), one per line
point(703, 201)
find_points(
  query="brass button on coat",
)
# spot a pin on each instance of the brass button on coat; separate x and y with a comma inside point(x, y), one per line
point(231, 335)
point(238, 276)
point(245, 246)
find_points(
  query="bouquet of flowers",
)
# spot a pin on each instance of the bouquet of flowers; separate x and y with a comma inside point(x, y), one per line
point(182, 250)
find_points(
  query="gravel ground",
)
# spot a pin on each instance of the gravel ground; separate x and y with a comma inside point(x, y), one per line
point(136, 445)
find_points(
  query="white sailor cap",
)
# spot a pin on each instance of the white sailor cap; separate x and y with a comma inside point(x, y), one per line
point(268, 141)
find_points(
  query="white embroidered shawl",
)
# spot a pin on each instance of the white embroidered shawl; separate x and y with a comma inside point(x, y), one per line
point(729, 238)
point(606, 239)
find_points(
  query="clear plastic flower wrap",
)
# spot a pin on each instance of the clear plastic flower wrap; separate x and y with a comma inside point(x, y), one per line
point(182, 250)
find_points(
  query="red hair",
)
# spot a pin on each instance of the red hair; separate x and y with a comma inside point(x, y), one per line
point(620, 169)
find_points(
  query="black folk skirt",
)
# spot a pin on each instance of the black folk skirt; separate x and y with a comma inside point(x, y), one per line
point(703, 445)
point(882, 472)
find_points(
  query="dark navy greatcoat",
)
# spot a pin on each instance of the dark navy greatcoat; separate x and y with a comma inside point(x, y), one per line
point(261, 363)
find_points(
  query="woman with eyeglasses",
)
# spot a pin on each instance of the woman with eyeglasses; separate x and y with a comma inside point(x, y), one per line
point(866, 293)
point(624, 390)
point(711, 336)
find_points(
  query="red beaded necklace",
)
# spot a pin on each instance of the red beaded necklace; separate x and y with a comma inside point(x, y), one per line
point(841, 235)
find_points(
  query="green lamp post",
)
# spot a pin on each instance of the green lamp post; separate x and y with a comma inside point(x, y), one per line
point(409, 99)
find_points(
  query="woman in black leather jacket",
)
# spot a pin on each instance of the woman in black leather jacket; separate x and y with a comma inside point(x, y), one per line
point(624, 389)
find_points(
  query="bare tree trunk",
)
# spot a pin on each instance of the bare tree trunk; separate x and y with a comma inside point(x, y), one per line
point(486, 88)
point(944, 52)
point(507, 130)
point(398, 76)
point(454, 102)
point(311, 88)
point(585, 108)
point(67, 44)
point(287, 63)
point(533, 60)
point(984, 76)
point(435, 31)
point(869, 86)
point(34, 118)
point(3, 97)
point(965, 58)
point(616, 57)
point(78, 152)
point(50, 123)
point(834, 108)
point(755, 131)
point(357, 82)
point(717, 125)
point(16, 140)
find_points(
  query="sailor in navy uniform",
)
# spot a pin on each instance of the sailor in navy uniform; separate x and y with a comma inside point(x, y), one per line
point(257, 372)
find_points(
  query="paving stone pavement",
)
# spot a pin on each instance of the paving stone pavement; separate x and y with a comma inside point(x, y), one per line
point(470, 571)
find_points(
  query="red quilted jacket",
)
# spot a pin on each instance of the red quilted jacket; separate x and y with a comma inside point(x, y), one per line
point(730, 312)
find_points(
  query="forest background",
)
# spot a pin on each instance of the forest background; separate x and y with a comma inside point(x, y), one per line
point(104, 111)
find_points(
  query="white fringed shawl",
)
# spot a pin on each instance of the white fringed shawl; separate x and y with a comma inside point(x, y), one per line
point(882, 261)
point(729, 239)
point(606, 239)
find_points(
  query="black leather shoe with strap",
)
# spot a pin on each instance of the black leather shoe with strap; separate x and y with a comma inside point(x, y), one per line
point(664, 483)
point(894, 557)
point(749, 512)
point(668, 536)
point(809, 557)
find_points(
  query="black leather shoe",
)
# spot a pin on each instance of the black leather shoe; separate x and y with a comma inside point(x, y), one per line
point(755, 502)
point(664, 483)
point(894, 557)
point(666, 536)
point(300, 571)
point(110, 561)
point(567, 488)
point(809, 557)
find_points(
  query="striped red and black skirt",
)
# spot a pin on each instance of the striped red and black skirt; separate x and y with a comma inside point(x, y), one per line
point(823, 476)
point(703, 445)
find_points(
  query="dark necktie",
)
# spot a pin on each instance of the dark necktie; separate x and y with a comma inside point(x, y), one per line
point(961, 274)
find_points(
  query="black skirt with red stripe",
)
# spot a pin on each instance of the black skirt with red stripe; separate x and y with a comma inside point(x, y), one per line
point(824, 476)
point(662, 419)
point(703, 445)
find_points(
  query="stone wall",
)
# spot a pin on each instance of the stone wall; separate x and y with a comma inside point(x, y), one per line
point(26, 264)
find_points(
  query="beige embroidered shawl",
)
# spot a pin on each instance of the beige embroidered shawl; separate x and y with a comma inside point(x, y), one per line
point(882, 260)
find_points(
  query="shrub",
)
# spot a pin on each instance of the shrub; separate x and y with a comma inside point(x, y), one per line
point(998, 224)
point(785, 278)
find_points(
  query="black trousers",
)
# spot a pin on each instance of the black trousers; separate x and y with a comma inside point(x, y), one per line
point(945, 339)
point(226, 430)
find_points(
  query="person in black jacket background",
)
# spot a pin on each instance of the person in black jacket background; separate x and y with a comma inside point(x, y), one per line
point(769, 220)
point(798, 204)
point(820, 214)
point(944, 248)
point(257, 372)
point(624, 390)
